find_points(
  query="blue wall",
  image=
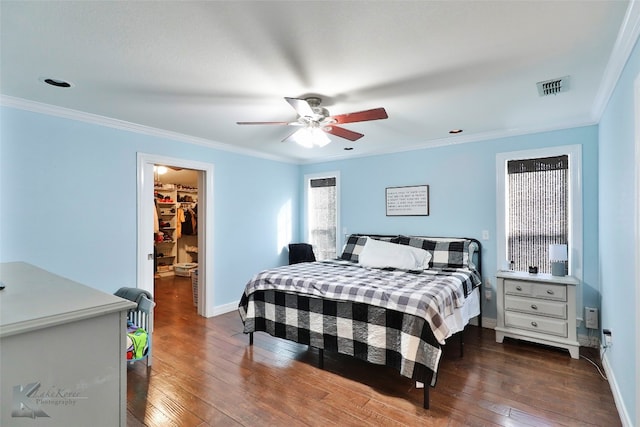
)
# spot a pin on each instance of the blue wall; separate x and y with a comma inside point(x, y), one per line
point(69, 199)
point(618, 190)
point(69, 202)
point(462, 193)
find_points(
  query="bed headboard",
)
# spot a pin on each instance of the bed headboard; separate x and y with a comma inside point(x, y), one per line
point(475, 247)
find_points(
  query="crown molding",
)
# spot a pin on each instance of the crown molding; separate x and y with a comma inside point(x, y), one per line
point(625, 42)
point(67, 113)
point(456, 140)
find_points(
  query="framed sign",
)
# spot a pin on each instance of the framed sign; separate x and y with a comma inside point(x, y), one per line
point(408, 201)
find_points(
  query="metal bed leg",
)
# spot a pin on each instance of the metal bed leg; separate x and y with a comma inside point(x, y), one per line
point(429, 381)
point(250, 338)
point(321, 358)
point(425, 401)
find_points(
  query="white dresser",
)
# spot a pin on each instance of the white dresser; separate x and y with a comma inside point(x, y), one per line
point(62, 357)
point(539, 308)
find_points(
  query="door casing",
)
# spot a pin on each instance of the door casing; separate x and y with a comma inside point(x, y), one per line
point(145, 205)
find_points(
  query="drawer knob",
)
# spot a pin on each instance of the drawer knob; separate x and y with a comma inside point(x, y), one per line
point(534, 324)
point(535, 307)
point(518, 288)
point(550, 291)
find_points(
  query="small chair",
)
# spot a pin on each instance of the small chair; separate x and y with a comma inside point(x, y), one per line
point(142, 316)
point(300, 252)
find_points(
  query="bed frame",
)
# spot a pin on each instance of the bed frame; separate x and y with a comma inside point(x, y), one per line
point(430, 378)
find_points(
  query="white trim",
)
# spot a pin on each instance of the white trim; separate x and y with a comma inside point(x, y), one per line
point(615, 390)
point(487, 322)
point(309, 177)
point(56, 111)
point(637, 239)
point(145, 164)
point(626, 40)
point(575, 208)
point(67, 113)
point(589, 341)
point(460, 139)
point(225, 308)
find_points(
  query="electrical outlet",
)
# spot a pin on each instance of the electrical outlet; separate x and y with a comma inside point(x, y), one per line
point(487, 294)
point(485, 234)
point(608, 341)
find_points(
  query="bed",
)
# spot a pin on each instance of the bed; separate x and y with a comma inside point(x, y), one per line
point(388, 300)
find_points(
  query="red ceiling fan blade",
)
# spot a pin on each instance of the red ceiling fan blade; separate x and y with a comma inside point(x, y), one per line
point(361, 116)
point(301, 106)
point(262, 123)
point(343, 133)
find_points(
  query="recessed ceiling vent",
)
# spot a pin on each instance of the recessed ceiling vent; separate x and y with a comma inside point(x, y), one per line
point(553, 86)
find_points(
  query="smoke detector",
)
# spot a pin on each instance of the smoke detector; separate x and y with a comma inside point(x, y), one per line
point(553, 86)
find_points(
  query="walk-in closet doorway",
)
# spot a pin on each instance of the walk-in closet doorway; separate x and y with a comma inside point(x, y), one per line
point(146, 257)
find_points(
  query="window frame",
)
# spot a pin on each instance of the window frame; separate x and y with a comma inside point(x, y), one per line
point(575, 231)
point(307, 183)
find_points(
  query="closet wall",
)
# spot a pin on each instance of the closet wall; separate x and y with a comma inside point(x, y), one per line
point(176, 195)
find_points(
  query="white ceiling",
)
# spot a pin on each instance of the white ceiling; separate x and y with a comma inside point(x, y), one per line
point(196, 68)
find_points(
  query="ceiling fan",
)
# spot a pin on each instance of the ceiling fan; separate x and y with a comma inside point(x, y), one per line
point(315, 121)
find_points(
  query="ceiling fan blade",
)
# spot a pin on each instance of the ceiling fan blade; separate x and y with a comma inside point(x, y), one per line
point(343, 133)
point(361, 116)
point(263, 123)
point(301, 106)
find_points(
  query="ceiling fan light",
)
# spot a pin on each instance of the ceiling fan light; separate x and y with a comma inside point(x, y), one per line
point(320, 138)
point(311, 137)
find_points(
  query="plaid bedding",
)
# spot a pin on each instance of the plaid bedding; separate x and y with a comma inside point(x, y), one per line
point(376, 315)
point(373, 334)
point(429, 294)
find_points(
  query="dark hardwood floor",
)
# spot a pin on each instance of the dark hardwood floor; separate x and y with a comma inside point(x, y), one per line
point(205, 373)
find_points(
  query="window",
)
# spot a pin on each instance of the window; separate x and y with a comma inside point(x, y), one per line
point(322, 197)
point(539, 202)
point(537, 210)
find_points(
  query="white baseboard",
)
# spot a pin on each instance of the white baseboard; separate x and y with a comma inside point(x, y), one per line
point(615, 390)
point(225, 308)
point(487, 322)
point(588, 341)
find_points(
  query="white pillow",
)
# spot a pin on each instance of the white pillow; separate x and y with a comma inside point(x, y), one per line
point(379, 254)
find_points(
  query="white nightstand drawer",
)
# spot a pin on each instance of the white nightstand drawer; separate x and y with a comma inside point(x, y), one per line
point(536, 306)
point(518, 287)
point(548, 291)
point(536, 290)
point(540, 324)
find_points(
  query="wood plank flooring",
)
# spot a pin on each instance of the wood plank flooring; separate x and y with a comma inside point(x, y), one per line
point(205, 373)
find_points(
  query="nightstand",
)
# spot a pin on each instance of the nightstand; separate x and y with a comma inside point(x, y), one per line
point(540, 308)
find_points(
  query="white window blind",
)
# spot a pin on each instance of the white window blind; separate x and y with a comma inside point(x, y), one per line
point(537, 210)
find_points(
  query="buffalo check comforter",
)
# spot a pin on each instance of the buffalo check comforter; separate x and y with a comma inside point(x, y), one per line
point(383, 316)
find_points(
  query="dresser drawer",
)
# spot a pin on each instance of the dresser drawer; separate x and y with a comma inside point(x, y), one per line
point(536, 306)
point(544, 325)
point(536, 290)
